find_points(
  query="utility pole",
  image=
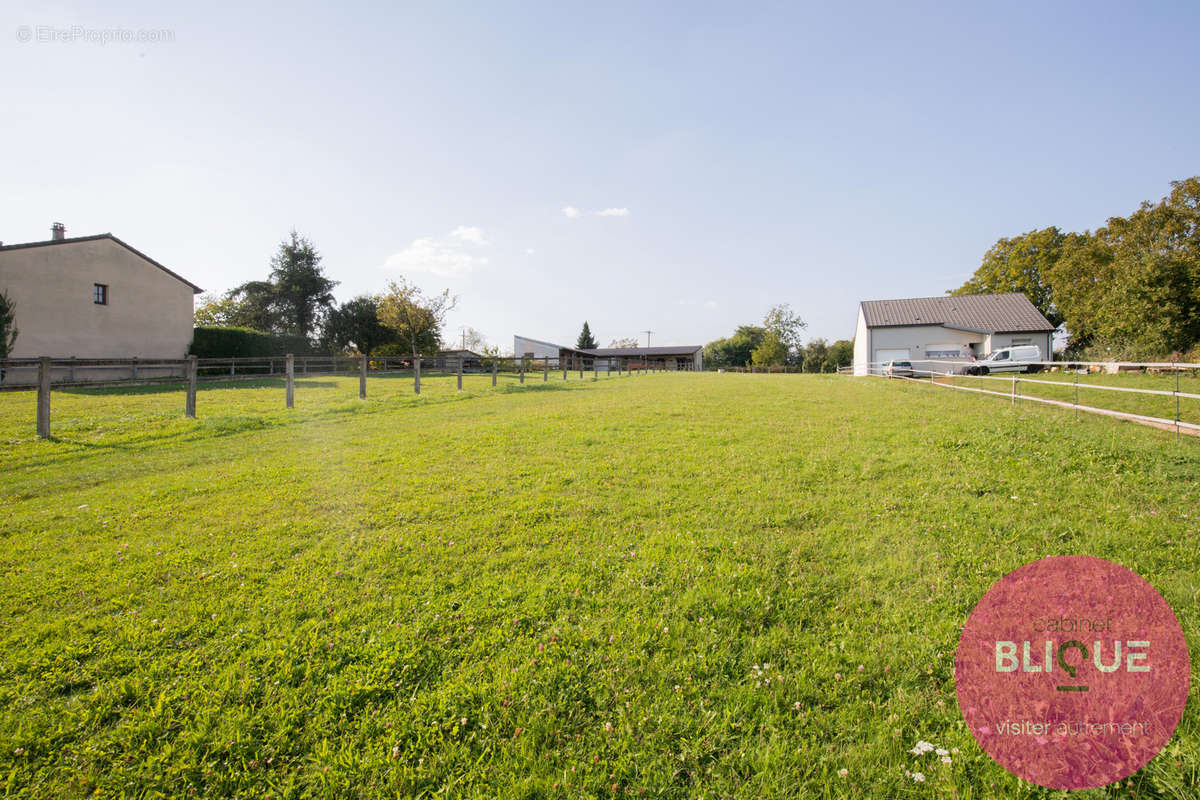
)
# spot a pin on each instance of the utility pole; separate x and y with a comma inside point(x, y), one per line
point(647, 337)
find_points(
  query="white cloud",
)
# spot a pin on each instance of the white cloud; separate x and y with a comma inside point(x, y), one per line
point(445, 259)
point(529, 251)
point(710, 304)
point(468, 234)
point(613, 212)
point(570, 212)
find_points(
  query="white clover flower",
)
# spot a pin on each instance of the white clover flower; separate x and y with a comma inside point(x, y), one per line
point(918, 777)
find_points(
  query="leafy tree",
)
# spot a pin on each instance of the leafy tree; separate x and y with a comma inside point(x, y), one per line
point(254, 305)
point(585, 340)
point(8, 325)
point(1134, 285)
point(416, 318)
point(736, 350)
point(815, 354)
point(1021, 264)
point(770, 352)
point(356, 322)
point(215, 312)
point(303, 295)
point(473, 340)
point(623, 344)
point(841, 354)
point(786, 326)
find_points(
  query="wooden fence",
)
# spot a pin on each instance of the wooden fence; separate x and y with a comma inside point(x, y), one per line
point(45, 374)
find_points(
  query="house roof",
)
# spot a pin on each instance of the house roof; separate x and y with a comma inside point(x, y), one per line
point(985, 313)
point(604, 352)
point(195, 289)
point(535, 341)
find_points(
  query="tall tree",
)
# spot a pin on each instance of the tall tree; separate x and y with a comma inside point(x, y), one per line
point(8, 325)
point(254, 304)
point(585, 340)
point(1021, 264)
point(303, 293)
point(416, 318)
point(356, 323)
point(623, 344)
point(736, 350)
point(815, 355)
point(770, 352)
point(786, 326)
point(841, 354)
point(1134, 285)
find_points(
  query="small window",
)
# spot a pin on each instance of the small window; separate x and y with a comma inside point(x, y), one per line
point(100, 294)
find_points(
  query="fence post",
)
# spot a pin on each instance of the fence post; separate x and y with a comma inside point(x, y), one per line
point(291, 380)
point(43, 401)
point(133, 369)
point(1077, 396)
point(545, 370)
point(595, 369)
point(362, 377)
point(495, 367)
point(189, 408)
point(460, 362)
point(564, 366)
point(522, 370)
point(417, 375)
point(1014, 390)
point(1177, 404)
point(72, 369)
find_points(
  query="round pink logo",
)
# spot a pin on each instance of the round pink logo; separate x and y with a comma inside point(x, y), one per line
point(1072, 672)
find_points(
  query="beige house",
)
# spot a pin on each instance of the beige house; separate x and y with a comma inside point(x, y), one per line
point(95, 297)
point(950, 328)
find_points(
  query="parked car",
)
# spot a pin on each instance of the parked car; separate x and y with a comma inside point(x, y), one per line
point(1022, 358)
point(898, 369)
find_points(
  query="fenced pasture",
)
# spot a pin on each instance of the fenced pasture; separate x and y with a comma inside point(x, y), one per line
point(45, 375)
point(677, 585)
point(1164, 395)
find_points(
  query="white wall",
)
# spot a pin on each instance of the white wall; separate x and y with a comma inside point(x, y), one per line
point(148, 315)
point(917, 338)
point(862, 344)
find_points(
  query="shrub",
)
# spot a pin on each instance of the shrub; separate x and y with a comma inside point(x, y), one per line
point(217, 342)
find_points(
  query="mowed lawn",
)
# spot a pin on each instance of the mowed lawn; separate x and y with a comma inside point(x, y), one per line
point(670, 586)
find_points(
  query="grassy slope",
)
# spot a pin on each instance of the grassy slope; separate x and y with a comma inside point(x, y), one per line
point(556, 591)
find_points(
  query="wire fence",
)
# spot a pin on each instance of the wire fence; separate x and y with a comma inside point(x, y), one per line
point(1161, 397)
point(45, 375)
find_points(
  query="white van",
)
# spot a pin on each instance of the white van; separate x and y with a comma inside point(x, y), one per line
point(1022, 358)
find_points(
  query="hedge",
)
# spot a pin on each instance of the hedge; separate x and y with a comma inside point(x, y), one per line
point(214, 342)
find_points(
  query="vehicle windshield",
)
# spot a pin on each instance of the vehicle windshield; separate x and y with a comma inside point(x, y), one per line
point(999, 355)
point(901, 364)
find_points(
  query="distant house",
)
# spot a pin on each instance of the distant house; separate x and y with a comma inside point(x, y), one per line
point(946, 327)
point(604, 359)
point(95, 297)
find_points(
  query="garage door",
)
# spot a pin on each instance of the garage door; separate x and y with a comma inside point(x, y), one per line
point(891, 355)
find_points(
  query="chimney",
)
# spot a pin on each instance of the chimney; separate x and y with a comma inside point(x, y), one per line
point(58, 231)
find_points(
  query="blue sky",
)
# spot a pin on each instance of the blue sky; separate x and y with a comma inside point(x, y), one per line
point(746, 155)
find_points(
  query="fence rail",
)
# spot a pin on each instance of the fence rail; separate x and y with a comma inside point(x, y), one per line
point(46, 374)
point(952, 371)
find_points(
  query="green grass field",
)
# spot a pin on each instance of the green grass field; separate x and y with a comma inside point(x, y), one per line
point(669, 586)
